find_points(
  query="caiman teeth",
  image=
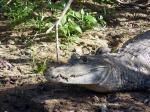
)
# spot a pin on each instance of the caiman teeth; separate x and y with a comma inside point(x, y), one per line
point(61, 76)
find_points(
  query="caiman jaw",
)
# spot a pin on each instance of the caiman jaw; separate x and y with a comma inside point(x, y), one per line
point(77, 74)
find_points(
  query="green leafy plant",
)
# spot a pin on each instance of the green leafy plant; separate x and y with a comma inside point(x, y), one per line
point(68, 27)
point(39, 23)
point(19, 10)
point(75, 22)
point(72, 25)
point(57, 6)
point(37, 64)
point(40, 66)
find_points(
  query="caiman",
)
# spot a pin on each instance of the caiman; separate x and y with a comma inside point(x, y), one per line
point(126, 70)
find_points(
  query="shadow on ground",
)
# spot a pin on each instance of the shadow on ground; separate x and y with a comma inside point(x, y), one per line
point(49, 97)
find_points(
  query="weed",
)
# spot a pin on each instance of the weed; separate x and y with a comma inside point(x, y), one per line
point(38, 23)
point(70, 28)
point(19, 11)
point(37, 64)
point(75, 22)
point(72, 25)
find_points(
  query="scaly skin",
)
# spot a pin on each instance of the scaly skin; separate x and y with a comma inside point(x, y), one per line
point(129, 69)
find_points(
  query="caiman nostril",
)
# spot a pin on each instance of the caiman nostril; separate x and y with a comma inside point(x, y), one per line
point(52, 77)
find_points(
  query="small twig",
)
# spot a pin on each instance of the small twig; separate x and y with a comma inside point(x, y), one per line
point(60, 18)
point(9, 2)
point(56, 24)
point(57, 44)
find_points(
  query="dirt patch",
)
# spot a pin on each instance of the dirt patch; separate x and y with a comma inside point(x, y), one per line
point(21, 90)
point(48, 97)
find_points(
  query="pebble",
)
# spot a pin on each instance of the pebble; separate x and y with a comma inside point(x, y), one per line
point(147, 102)
point(104, 108)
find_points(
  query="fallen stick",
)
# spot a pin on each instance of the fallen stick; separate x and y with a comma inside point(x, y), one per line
point(60, 18)
point(56, 24)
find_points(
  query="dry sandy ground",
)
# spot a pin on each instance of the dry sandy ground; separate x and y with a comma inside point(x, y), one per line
point(21, 90)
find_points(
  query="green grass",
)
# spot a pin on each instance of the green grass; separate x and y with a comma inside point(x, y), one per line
point(74, 23)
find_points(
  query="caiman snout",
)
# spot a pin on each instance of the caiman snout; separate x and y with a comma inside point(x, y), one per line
point(77, 74)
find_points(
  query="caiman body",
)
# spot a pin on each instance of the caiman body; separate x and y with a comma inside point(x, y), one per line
point(129, 69)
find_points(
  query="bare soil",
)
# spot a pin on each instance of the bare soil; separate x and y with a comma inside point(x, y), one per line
point(22, 90)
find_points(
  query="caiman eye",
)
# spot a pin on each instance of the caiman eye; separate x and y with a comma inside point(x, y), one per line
point(84, 59)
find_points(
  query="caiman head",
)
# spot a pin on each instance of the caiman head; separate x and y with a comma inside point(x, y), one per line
point(87, 70)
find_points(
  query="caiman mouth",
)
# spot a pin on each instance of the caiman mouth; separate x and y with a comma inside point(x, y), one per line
point(76, 74)
point(87, 70)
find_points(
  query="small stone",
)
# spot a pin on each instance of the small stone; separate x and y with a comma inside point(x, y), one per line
point(11, 42)
point(96, 99)
point(78, 50)
point(147, 102)
point(85, 50)
point(104, 108)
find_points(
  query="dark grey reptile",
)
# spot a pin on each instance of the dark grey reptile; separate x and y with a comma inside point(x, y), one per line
point(129, 69)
